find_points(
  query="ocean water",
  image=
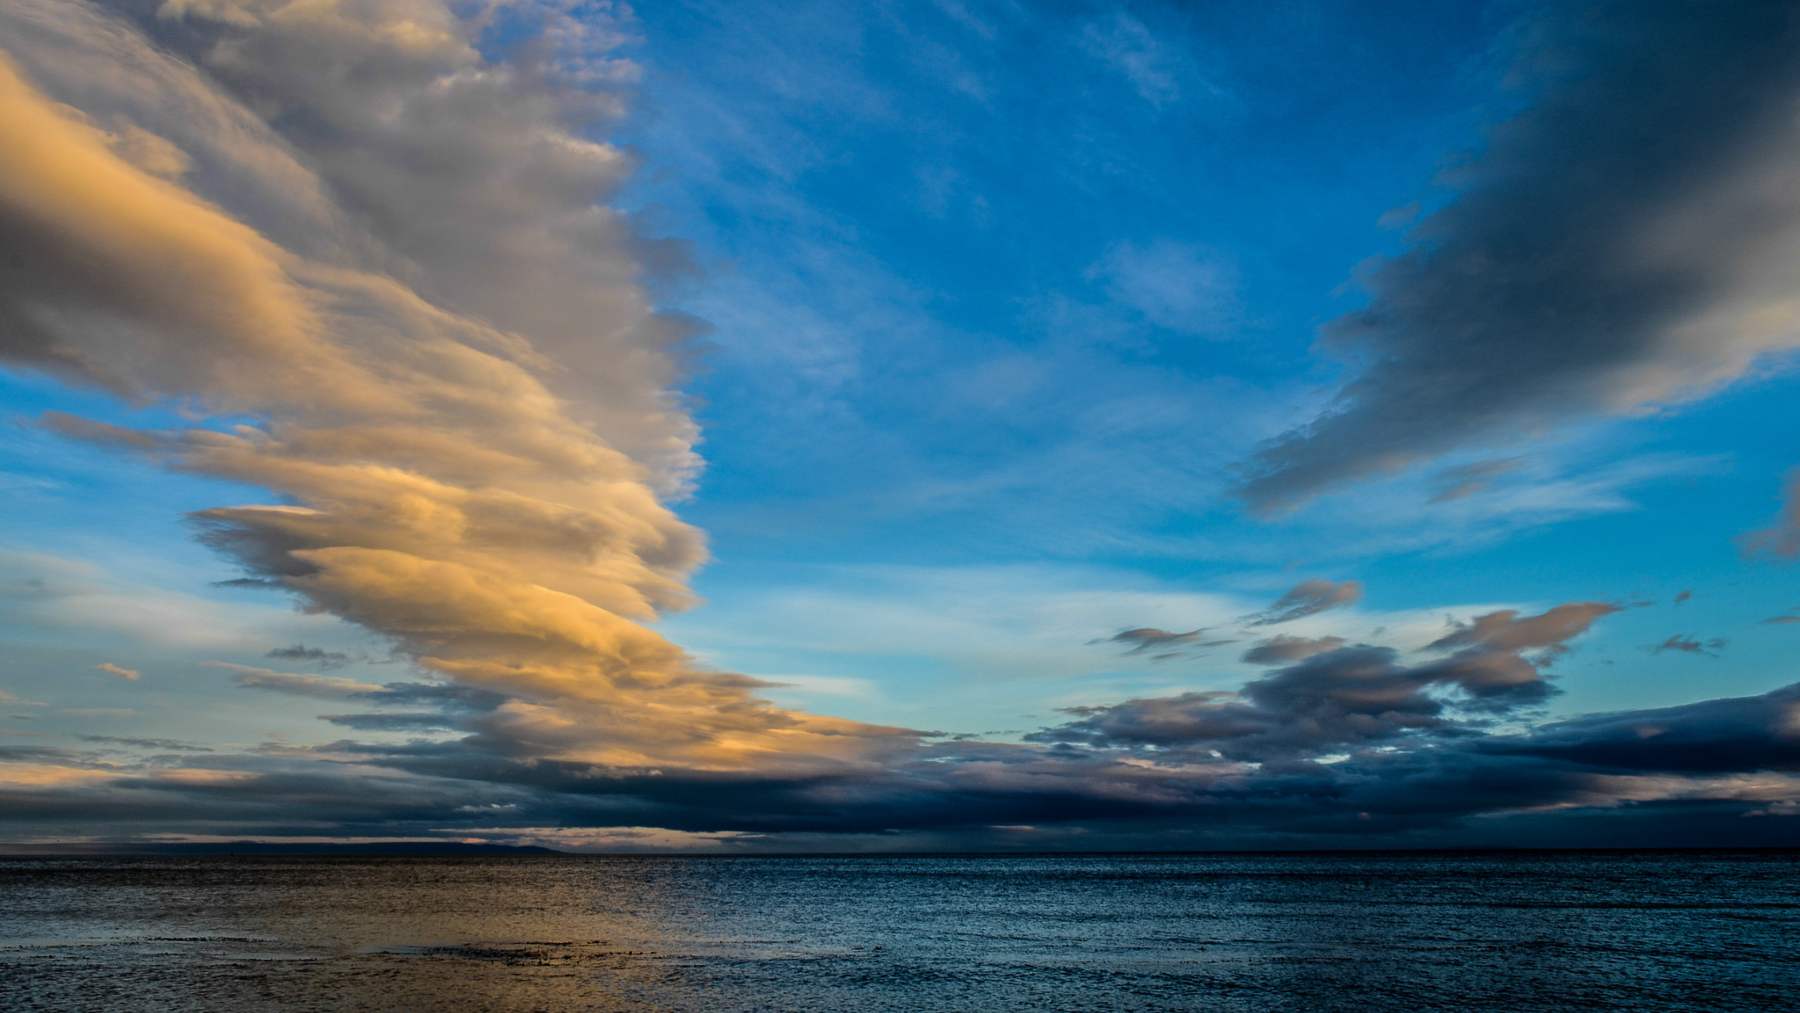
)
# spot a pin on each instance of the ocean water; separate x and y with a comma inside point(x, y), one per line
point(1537, 931)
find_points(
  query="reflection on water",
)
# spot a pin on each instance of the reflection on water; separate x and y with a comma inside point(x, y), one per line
point(1643, 931)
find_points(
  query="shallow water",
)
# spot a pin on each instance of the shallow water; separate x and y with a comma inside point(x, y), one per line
point(1638, 931)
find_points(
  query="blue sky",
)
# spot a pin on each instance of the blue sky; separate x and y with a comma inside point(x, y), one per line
point(1011, 290)
point(968, 338)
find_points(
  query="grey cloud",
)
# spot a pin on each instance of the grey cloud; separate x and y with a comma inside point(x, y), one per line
point(1284, 649)
point(167, 745)
point(316, 655)
point(321, 687)
point(1749, 733)
point(1168, 644)
point(446, 696)
point(1506, 630)
point(1786, 618)
point(1310, 598)
point(1685, 644)
point(411, 721)
point(1348, 696)
point(510, 223)
point(1624, 241)
point(1697, 769)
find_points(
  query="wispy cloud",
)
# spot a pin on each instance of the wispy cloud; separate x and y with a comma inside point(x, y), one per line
point(1309, 597)
point(119, 671)
point(326, 687)
point(1684, 644)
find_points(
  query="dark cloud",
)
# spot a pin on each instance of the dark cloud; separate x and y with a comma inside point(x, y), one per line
point(167, 745)
point(1752, 733)
point(401, 722)
point(1147, 638)
point(1339, 697)
point(446, 696)
point(1654, 775)
point(1307, 598)
point(1163, 645)
point(1611, 247)
point(1684, 596)
point(1690, 645)
point(1284, 649)
point(317, 655)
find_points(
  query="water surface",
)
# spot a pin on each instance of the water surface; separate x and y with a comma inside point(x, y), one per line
point(1636, 931)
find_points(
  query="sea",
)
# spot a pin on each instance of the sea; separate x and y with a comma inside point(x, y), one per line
point(1411, 931)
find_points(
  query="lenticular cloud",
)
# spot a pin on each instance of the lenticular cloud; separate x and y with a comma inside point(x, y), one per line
point(383, 256)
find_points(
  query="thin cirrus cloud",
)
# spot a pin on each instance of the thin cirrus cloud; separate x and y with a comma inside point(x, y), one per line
point(1172, 285)
point(1629, 240)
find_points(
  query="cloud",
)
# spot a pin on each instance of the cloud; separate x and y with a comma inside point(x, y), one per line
point(422, 329)
point(1507, 630)
point(1171, 285)
point(165, 745)
point(316, 655)
point(1334, 696)
point(128, 674)
point(1790, 616)
point(325, 687)
point(1145, 639)
point(1686, 774)
point(53, 592)
point(1689, 645)
point(1683, 596)
point(1124, 43)
point(404, 722)
point(1283, 649)
point(1307, 598)
point(1629, 239)
point(1710, 737)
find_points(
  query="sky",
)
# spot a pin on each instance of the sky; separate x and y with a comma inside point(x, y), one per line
point(902, 426)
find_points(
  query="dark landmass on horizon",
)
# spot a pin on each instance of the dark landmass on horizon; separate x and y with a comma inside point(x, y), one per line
point(453, 849)
point(420, 849)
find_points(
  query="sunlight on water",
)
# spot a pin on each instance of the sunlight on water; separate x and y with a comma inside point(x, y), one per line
point(1227, 932)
